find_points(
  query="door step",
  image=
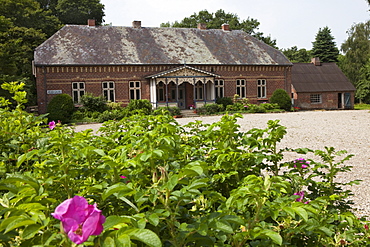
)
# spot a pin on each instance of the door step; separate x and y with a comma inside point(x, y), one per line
point(189, 113)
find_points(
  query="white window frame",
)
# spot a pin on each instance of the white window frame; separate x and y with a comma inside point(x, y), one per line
point(241, 89)
point(109, 90)
point(261, 88)
point(219, 89)
point(316, 98)
point(79, 90)
point(135, 90)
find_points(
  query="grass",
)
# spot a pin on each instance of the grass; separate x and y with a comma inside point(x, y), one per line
point(362, 106)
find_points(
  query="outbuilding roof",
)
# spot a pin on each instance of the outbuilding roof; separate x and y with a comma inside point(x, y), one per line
point(100, 45)
point(326, 77)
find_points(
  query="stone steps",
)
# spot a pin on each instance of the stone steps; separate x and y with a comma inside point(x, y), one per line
point(188, 113)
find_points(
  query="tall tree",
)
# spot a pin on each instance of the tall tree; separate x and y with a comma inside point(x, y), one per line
point(356, 51)
point(297, 56)
point(79, 11)
point(215, 20)
point(324, 46)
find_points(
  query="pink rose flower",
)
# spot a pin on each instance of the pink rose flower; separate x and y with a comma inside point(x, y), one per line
point(52, 125)
point(79, 219)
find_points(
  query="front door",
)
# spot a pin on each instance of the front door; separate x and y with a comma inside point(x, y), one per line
point(181, 97)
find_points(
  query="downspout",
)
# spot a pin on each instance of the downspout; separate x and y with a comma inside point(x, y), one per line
point(45, 92)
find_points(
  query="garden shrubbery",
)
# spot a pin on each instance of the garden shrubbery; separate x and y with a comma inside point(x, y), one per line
point(282, 99)
point(147, 181)
point(61, 108)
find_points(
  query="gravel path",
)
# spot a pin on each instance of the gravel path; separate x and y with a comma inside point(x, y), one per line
point(343, 130)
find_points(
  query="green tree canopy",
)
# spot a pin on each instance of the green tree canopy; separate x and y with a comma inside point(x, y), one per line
point(79, 11)
point(355, 62)
point(324, 46)
point(215, 20)
point(297, 56)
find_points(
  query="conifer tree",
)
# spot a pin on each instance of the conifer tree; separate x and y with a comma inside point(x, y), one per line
point(324, 46)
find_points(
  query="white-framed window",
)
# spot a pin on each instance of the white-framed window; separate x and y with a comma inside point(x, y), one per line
point(261, 88)
point(219, 88)
point(315, 98)
point(135, 90)
point(240, 88)
point(108, 90)
point(199, 91)
point(78, 90)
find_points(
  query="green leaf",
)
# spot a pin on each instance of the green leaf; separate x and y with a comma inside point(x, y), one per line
point(18, 178)
point(114, 220)
point(30, 231)
point(113, 189)
point(109, 242)
point(100, 152)
point(224, 226)
point(153, 219)
point(289, 211)
point(124, 240)
point(145, 236)
point(15, 222)
point(325, 230)
point(301, 212)
point(274, 236)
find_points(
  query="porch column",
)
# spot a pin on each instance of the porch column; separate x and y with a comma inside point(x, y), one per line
point(194, 81)
point(204, 91)
point(166, 92)
point(153, 93)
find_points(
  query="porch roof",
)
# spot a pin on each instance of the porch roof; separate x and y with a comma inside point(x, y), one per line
point(178, 69)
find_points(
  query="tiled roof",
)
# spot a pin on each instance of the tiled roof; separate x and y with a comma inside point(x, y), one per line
point(327, 77)
point(84, 45)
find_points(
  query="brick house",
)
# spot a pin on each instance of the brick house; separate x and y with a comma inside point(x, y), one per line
point(168, 66)
point(319, 85)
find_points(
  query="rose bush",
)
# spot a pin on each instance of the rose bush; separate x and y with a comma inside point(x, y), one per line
point(161, 184)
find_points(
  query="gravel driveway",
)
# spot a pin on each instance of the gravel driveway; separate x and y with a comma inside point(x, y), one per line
point(343, 130)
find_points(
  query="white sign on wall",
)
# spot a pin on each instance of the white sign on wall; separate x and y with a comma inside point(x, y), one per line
point(54, 91)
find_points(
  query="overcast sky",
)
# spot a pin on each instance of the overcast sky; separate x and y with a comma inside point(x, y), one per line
point(290, 22)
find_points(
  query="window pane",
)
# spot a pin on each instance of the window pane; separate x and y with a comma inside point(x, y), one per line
point(105, 85)
point(132, 84)
point(137, 84)
point(137, 93)
point(132, 94)
point(111, 95)
point(111, 84)
point(75, 96)
point(221, 92)
point(105, 93)
point(74, 85)
point(82, 86)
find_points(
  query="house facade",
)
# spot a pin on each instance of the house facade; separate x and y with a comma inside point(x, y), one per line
point(319, 85)
point(167, 66)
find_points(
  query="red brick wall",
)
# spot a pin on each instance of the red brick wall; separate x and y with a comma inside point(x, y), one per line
point(329, 100)
point(61, 78)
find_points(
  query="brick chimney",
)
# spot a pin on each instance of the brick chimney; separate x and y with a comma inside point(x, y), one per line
point(136, 24)
point(315, 61)
point(91, 22)
point(202, 26)
point(225, 27)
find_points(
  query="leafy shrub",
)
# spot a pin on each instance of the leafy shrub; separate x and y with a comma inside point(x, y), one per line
point(225, 101)
point(94, 103)
point(140, 104)
point(236, 107)
point(113, 115)
point(114, 106)
point(282, 98)
point(61, 108)
point(210, 109)
point(162, 184)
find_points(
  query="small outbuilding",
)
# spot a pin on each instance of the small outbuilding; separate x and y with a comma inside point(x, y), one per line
point(319, 85)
